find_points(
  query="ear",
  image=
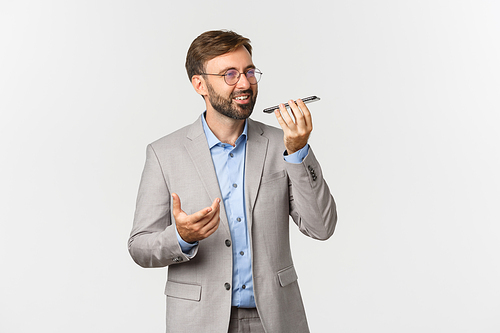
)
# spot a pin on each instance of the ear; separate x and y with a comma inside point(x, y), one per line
point(199, 85)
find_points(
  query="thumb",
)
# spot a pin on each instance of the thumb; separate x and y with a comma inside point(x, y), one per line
point(176, 204)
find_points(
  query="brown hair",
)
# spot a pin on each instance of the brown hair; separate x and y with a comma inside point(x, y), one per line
point(212, 44)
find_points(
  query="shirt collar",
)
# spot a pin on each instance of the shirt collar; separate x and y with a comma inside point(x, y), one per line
point(212, 139)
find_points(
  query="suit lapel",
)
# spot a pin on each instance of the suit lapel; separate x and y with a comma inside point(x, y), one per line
point(197, 148)
point(254, 164)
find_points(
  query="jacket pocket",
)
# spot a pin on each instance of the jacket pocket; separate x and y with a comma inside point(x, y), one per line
point(190, 292)
point(287, 276)
point(273, 176)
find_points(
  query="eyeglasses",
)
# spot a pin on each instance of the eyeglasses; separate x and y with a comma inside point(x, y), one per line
point(232, 76)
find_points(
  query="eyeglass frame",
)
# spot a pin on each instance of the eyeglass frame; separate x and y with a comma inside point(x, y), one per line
point(239, 75)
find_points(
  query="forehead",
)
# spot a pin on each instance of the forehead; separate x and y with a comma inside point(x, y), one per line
point(239, 59)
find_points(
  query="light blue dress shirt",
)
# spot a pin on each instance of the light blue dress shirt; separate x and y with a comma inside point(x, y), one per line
point(229, 163)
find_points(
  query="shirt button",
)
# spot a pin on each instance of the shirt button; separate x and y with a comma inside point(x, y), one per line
point(235, 185)
point(243, 286)
point(242, 253)
point(228, 243)
point(238, 219)
point(227, 286)
point(231, 154)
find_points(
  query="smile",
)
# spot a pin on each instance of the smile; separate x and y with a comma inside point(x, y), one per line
point(241, 98)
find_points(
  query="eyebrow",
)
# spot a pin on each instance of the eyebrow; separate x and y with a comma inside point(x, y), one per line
point(252, 66)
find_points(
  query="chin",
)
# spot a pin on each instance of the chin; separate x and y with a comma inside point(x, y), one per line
point(244, 111)
point(238, 115)
point(234, 111)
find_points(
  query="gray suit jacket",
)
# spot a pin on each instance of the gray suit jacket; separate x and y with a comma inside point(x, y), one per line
point(197, 290)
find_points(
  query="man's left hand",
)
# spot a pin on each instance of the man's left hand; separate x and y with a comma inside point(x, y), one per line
point(296, 132)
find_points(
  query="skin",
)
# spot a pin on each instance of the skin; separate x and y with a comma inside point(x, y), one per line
point(226, 118)
point(296, 133)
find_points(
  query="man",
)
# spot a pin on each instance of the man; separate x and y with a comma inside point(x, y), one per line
point(215, 199)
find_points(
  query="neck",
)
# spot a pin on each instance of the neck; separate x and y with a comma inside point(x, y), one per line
point(226, 129)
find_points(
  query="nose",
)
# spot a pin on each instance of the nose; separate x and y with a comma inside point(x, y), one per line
point(243, 82)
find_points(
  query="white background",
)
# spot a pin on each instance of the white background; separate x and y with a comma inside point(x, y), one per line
point(406, 132)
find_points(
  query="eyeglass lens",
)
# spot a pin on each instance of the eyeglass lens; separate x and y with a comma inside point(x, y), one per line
point(232, 76)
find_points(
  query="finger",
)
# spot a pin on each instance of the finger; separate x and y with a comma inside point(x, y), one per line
point(201, 214)
point(297, 114)
point(214, 209)
point(306, 113)
point(213, 228)
point(286, 117)
point(216, 204)
point(281, 121)
point(211, 225)
point(207, 213)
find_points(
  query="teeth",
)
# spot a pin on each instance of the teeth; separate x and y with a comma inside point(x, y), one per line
point(241, 98)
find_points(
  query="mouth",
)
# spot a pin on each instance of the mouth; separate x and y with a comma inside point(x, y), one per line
point(242, 99)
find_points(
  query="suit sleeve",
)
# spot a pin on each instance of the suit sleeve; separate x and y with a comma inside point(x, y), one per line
point(312, 206)
point(153, 241)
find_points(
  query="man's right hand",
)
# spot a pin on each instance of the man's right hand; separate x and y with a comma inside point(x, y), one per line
point(197, 226)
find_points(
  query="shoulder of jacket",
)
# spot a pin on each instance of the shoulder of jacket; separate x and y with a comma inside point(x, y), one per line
point(177, 137)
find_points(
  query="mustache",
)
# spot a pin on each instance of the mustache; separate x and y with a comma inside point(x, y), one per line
point(247, 91)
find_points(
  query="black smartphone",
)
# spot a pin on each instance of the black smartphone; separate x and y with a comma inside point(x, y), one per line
point(306, 100)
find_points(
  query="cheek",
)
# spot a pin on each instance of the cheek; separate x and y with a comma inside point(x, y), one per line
point(225, 92)
point(221, 94)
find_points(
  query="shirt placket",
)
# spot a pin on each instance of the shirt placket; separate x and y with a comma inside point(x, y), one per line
point(240, 242)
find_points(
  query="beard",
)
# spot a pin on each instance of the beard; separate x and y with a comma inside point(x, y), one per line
point(226, 107)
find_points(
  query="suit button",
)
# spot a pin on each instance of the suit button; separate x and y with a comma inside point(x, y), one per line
point(228, 243)
point(227, 286)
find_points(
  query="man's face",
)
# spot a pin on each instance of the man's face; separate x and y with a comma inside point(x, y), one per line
point(236, 102)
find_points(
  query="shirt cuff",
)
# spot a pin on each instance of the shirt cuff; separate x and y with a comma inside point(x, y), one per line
point(185, 246)
point(298, 156)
